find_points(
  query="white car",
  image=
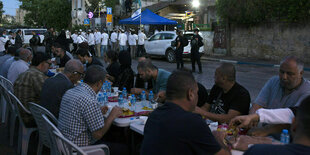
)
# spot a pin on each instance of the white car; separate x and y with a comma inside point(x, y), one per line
point(159, 44)
point(27, 34)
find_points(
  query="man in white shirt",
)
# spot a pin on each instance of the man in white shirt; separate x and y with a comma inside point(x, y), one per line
point(132, 41)
point(74, 37)
point(97, 42)
point(122, 38)
point(21, 65)
point(114, 40)
point(80, 38)
point(104, 42)
point(91, 42)
point(3, 40)
point(141, 38)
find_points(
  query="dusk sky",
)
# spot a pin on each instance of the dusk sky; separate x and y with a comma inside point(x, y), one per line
point(10, 6)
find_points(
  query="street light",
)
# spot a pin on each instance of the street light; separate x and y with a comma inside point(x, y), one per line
point(195, 3)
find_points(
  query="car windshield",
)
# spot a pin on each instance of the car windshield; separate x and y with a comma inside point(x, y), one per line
point(188, 36)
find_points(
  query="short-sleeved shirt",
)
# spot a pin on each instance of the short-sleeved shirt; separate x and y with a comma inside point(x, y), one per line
point(4, 69)
point(272, 94)
point(64, 60)
point(160, 84)
point(268, 149)
point(172, 130)
point(17, 67)
point(80, 115)
point(132, 39)
point(105, 38)
point(237, 98)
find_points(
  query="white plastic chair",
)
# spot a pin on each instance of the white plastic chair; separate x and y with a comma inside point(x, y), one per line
point(37, 111)
point(24, 132)
point(13, 116)
point(66, 147)
point(4, 109)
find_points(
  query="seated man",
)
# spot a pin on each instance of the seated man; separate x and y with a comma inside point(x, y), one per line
point(28, 85)
point(285, 90)
point(55, 87)
point(227, 98)
point(300, 130)
point(81, 119)
point(173, 128)
point(20, 65)
point(86, 58)
point(159, 79)
point(140, 83)
point(61, 53)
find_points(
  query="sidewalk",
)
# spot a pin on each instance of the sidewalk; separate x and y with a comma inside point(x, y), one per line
point(247, 61)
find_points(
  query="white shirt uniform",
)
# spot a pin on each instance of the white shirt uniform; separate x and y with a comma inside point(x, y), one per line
point(114, 37)
point(74, 38)
point(141, 38)
point(80, 39)
point(97, 37)
point(122, 39)
point(132, 39)
point(91, 39)
point(17, 68)
point(2, 43)
point(105, 38)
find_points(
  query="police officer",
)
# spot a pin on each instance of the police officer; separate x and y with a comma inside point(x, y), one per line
point(179, 49)
point(196, 43)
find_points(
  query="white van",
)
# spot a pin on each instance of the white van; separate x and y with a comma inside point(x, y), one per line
point(27, 34)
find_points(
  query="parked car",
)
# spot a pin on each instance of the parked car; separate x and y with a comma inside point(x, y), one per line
point(159, 44)
point(27, 34)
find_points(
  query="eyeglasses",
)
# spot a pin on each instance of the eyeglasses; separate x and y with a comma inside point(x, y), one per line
point(81, 74)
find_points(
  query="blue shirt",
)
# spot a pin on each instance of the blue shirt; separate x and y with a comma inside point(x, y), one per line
point(160, 84)
point(272, 94)
point(4, 69)
point(80, 115)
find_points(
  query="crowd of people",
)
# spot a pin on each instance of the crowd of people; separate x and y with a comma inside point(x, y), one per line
point(176, 127)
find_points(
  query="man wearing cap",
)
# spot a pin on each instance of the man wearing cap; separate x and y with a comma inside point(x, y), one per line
point(132, 41)
point(196, 43)
point(91, 42)
point(114, 40)
point(122, 38)
point(74, 37)
point(104, 42)
point(97, 42)
point(141, 38)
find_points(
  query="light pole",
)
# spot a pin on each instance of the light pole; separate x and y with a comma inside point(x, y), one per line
point(195, 5)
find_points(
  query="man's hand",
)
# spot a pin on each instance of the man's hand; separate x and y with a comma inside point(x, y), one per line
point(161, 96)
point(116, 112)
point(258, 132)
point(104, 109)
point(245, 121)
point(136, 91)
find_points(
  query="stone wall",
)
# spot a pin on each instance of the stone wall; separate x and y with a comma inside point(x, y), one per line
point(271, 41)
point(208, 41)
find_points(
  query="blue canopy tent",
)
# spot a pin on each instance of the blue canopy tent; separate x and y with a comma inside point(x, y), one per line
point(148, 18)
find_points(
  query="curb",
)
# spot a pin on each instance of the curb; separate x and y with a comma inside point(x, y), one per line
point(246, 63)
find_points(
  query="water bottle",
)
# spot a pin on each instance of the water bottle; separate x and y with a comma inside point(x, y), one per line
point(133, 103)
point(143, 99)
point(151, 97)
point(285, 137)
point(124, 92)
point(105, 99)
point(100, 99)
point(121, 101)
point(109, 89)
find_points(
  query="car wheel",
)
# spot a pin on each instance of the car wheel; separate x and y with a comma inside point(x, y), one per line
point(170, 56)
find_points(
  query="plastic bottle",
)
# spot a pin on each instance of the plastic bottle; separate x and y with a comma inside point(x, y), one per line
point(121, 101)
point(151, 97)
point(143, 99)
point(105, 99)
point(133, 103)
point(109, 89)
point(285, 137)
point(124, 92)
point(100, 99)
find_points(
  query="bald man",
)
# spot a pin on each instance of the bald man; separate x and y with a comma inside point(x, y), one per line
point(54, 88)
point(227, 98)
point(21, 65)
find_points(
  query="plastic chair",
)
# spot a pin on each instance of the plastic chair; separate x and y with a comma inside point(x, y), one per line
point(66, 147)
point(4, 109)
point(25, 133)
point(5, 96)
point(37, 111)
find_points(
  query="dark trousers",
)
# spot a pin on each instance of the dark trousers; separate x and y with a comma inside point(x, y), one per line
point(140, 51)
point(195, 57)
point(92, 50)
point(74, 48)
point(179, 58)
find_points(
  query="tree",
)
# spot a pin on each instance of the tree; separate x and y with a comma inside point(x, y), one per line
point(1, 11)
point(47, 13)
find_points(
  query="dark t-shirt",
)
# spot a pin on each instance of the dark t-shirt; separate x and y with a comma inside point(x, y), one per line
point(237, 98)
point(95, 61)
point(113, 69)
point(177, 40)
point(172, 130)
point(202, 95)
point(64, 60)
point(268, 149)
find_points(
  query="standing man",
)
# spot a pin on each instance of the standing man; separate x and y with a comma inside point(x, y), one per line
point(34, 42)
point(49, 40)
point(91, 42)
point(75, 41)
point(179, 49)
point(3, 40)
point(104, 42)
point(196, 43)
point(114, 40)
point(132, 41)
point(141, 39)
point(122, 38)
point(97, 42)
point(18, 40)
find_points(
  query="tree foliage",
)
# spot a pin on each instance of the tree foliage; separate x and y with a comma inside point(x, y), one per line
point(251, 12)
point(47, 13)
point(94, 4)
point(1, 11)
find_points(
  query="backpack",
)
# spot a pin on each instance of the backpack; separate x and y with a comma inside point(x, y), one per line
point(184, 41)
point(200, 43)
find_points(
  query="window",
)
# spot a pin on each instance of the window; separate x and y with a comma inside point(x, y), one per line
point(167, 36)
point(155, 37)
point(188, 36)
